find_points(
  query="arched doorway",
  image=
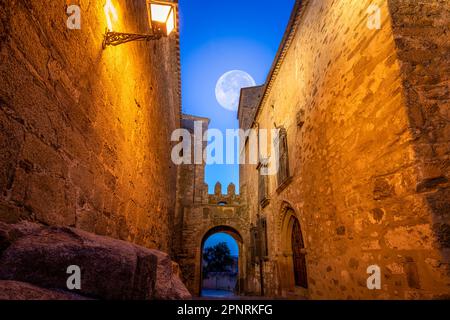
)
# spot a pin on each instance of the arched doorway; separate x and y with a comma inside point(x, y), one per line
point(298, 256)
point(293, 270)
point(228, 282)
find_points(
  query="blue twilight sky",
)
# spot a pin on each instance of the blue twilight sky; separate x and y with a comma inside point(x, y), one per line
point(219, 36)
point(223, 237)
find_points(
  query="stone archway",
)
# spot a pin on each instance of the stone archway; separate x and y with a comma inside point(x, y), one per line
point(292, 262)
point(240, 242)
point(201, 221)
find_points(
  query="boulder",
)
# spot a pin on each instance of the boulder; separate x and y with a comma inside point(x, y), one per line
point(110, 269)
point(14, 290)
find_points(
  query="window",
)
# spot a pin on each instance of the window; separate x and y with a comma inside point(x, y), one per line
point(263, 186)
point(281, 146)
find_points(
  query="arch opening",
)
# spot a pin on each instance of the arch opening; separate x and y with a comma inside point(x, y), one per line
point(294, 254)
point(221, 252)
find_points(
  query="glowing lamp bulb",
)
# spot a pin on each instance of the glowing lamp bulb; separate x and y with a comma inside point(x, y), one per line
point(162, 16)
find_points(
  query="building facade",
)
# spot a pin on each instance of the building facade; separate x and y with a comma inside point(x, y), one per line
point(363, 154)
point(81, 140)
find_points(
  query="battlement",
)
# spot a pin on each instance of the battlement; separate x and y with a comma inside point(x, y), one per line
point(230, 198)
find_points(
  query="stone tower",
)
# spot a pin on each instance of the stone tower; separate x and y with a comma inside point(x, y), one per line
point(200, 215)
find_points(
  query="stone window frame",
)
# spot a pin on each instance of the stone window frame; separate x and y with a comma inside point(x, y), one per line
point(263, 184)
point(284, 177)
point(258, 138)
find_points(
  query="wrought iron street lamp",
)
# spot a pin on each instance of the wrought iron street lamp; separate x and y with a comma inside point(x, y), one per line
point(162, 18)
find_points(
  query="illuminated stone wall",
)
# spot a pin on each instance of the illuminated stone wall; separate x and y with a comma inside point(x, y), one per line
point(366, 113)
point(85, 132)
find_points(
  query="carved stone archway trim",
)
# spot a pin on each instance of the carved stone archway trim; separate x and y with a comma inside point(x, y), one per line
point(286, 220)
point(285, 207)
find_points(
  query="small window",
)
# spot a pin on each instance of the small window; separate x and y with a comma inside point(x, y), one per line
point(222, 203)
point(263, 192)
point(283, 157)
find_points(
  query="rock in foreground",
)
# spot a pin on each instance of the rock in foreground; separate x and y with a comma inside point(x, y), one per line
point(39, 256)
point(14, 290)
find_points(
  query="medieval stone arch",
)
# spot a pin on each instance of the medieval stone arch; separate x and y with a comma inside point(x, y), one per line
point(236, 235)
point(292, 262)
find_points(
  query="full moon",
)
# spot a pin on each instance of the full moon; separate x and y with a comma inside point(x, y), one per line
point(228, 88)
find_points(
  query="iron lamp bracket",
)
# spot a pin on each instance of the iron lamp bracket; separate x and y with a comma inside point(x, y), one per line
point(117, 38)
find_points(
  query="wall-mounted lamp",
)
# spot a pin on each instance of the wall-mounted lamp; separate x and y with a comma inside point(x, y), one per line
point(162, 18)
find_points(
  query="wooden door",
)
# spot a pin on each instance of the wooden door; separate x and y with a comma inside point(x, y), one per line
point(299, 259)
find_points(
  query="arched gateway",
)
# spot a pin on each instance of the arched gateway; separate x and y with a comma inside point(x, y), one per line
point(240, 242)
point(202, 221)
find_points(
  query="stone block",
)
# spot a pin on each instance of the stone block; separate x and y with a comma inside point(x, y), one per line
point(418, 237)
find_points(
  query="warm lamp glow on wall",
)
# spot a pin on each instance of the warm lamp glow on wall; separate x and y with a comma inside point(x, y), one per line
point(162, 18)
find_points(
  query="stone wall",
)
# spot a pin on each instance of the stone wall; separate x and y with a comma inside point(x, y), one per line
point(220, 281)
point(421, 31)
point(366, 114)
point(81, 135)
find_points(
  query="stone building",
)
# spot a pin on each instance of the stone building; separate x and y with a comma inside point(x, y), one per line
point(81, 140)
point(200, 215)
point(363, 153)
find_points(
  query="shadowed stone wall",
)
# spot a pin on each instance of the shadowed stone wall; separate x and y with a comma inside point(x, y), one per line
point(85, 132)
point(366, 114)
point(422, 32)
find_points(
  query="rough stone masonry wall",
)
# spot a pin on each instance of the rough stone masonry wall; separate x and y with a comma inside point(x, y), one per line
point(356, 183)
point(422, 33)
point(248, 180)
point(84, 132)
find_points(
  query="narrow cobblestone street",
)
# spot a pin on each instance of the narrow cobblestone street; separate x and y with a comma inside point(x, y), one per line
point(310, 137)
